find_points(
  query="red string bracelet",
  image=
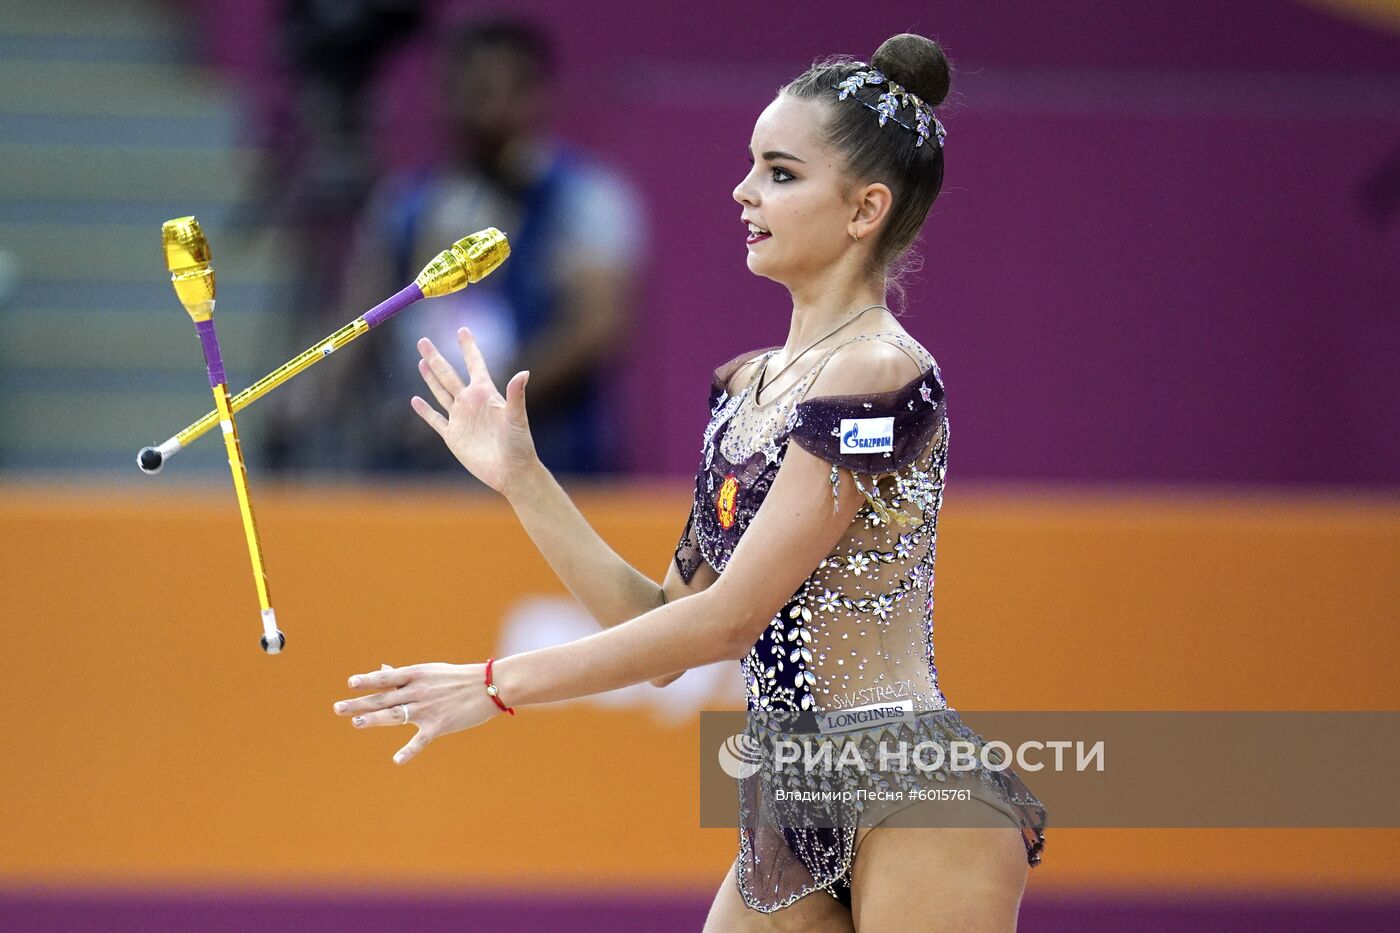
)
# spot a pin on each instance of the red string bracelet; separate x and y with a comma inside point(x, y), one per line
point(491, 690)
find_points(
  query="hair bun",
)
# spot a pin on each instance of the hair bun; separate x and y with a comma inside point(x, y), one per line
point(917, 63)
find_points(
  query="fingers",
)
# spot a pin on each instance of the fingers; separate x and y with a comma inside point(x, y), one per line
point(515, 397)
point(387, 709)
point(429, 414)
point(388, 680)
point(430, 379)
point(391, 716)
point(414, 746)
point(476, 363)
point(392, 677)
point(372, 703)
point(446, 375)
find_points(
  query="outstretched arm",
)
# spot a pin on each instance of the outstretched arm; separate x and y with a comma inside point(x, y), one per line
point(612, 590)
point(794, 530)
point(490, 435)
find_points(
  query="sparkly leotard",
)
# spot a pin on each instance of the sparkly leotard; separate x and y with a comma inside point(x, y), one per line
point(859, 630)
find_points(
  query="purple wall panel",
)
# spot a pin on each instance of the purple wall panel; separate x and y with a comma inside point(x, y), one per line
point(596, 35)
point(1162, 271)
point(1188, 34)
point(1110, 297)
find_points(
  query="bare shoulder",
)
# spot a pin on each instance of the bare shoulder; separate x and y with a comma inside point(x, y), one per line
point(747, 371)
point(740, 371)
point(865, 367)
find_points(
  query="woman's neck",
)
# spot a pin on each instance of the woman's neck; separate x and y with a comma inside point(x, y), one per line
point(819, 309)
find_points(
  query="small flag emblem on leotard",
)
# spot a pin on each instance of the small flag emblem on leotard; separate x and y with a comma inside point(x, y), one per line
point(727, 502)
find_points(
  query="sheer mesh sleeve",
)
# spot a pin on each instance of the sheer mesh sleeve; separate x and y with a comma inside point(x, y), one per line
point(688, 556)
point(872, 434)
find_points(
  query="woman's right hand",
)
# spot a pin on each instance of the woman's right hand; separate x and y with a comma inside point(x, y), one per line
point(488, 434)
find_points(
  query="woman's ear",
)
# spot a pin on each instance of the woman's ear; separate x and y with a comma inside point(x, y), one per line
point(872, 208)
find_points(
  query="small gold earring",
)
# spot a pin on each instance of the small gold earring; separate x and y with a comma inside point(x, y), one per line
point(855, 236)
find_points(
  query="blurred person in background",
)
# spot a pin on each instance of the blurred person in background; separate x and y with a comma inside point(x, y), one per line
point(322, 168)
point(558, 306)
point(313, 179)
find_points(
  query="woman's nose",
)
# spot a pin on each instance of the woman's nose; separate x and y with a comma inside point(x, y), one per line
point(742, 193)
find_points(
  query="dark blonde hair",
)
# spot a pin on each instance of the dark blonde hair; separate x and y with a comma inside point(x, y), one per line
point(886, 153)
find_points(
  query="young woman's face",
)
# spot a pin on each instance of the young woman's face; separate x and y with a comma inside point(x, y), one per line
point(794, 194)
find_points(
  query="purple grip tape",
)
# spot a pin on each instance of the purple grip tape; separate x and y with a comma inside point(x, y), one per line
point(393, 305)
point(213, 359)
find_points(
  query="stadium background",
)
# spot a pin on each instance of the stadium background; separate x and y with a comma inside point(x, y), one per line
point(1162, 284)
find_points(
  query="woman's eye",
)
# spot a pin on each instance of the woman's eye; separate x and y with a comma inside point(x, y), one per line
point(776, 173)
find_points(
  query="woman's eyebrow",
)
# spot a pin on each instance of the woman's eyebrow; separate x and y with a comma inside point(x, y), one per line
point(775, 154)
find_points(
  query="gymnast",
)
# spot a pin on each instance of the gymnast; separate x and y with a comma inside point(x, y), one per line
point(808, 551)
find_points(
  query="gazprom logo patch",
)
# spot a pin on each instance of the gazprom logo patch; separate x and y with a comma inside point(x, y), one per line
point(867, 435)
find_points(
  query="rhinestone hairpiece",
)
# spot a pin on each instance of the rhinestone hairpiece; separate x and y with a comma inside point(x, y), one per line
point(890, 102)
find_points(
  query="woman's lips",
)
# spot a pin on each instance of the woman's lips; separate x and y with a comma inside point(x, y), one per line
point(754, 238)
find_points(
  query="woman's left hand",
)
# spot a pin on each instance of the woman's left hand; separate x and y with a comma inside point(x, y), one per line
point(439, 698)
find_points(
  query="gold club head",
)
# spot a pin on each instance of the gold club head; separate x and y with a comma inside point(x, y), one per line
point(464, 263)
point(187, 257)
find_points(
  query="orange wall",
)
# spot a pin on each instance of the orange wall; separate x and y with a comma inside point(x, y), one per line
point(148, 739)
